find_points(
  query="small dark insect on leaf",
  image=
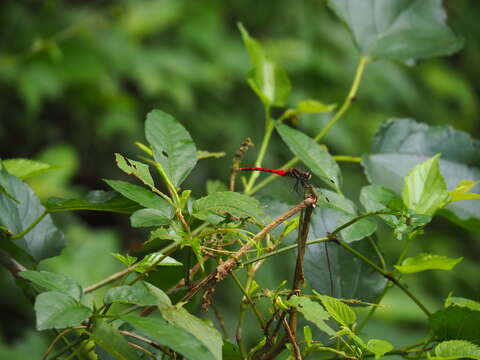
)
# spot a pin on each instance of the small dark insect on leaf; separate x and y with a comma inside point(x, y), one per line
point(164, 153)
point(333, 182)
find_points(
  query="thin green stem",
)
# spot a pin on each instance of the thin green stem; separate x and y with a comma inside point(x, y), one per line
point(345, 158)
point(345, 106)
point(244, 291)
point(30, 227)
point(269, 126)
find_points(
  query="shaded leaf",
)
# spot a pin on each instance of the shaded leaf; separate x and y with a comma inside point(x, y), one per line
point(55, 310)
point(341, 312)
point(312, 311)
point(44, 240)
point(171, 336)
point(173, 147)
point(376, 198)
point(318, 160)
point(401, 29)
point(52, 281)
point(139, 194)
point(97, 200)
point(456, 322)
point(135, 168)
point(112, 341)
point(463, 302)
point(426, 261)
point(139, 293)
point(154, 259)
point(152, 217)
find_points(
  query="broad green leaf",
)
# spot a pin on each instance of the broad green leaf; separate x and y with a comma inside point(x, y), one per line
point(400, 144)
point(55, 310)
point(151, 217)
point(462, 302)
point(426, 261)
point(215, 207)
point(171, 336)
point(112, 341)
point(318, 160)
point(376, 198)
point(269, 81)
point(345, 210)
point(456, 322)
point(341, 312)
point(401, 29)
point(230, 351)
point(456, 349)
point(462, 191)
point(97, 200)
point(55, 282)
point(424, 190)
point(154, 259)
point(352, 278)
point(314, 107)
point(215, 186)
point(140, 294)
point(135, 168)
point(44, 240)
point(139, 194)
point(312, 311)
point(207, 334)
point(172, 145)
point(25, 168)
point(379, 347)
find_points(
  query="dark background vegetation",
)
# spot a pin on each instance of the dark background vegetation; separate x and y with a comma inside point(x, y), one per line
point(78, 77)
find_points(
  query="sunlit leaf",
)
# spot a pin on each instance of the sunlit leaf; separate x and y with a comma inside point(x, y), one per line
point(462, 302)
point(312, 311)
point(25, 168)
point(379, 347)
point(340, 311)
point(314, 107)
point(426, 261)
point(462, 191)
point(139, 194)
point(135, 168)
point(152, 217)
point(456, 349)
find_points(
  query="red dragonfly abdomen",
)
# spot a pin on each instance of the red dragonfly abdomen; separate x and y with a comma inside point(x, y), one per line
point(253, 168)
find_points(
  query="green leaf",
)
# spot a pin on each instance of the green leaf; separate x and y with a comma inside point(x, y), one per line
point(379, 347)
point(25, 168)
point(112, 341)
point(461, 191)
point(318, 160)
point(148, 261)
point(424, 190)
point(456, 322)
point(462, 302)
point(269, 81)
point(230, 351)
point(44, 240)
point(456, 349)
point(151, 217)
point(376, 198)
point(426, 261)
point(173, 147)
point(341, 312)
point(401, 29)
point(171, 336)
point(139, 194)
point(97, 200)
point(207, 334)
point(55, 310)
point(55, 282)
point(400, 144)
point(140, 293)
point(127, 259)
point(216, 206)
point(135, 168)
point(314, 107)
point(312, 311)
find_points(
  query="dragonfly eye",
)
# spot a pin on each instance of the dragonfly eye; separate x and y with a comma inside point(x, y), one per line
point(308, 175)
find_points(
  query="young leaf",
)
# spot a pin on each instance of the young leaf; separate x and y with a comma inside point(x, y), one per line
point(341, 312)
point(424, 190)
point(314, 107)
point(112, 341)
point(25, 168)
point(173, 147)
point(216, 206)
point(135, 168)
point(269, 81)
point(53, 281)
point(127, 259)
point(151, 217)
point(462, 302)
point(376, 198)
point(312, 311)
point(97, 200)
point(55, 310)
point(171, 336)
point(319, 161)
point(400, 144)
point(140, 195)
point(379, 347)
point(400, 30)
point(456, 349)
point(426, 261)
point(462, 191)
point(44, 240)
point(153, 258)
point(139, 294)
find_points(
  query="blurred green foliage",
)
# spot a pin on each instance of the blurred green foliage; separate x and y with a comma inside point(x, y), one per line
point(77, 78)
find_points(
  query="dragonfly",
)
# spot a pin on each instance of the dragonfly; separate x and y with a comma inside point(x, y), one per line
point(301, 176)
